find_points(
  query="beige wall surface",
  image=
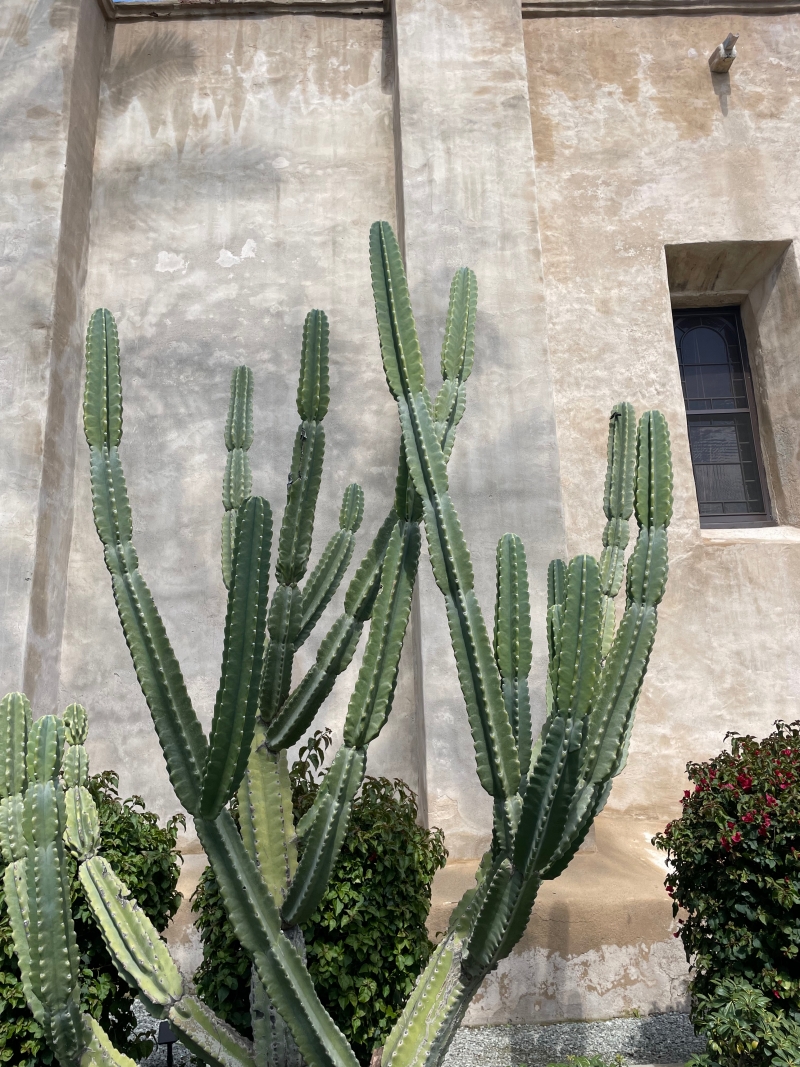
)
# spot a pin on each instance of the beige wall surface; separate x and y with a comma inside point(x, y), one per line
point(239, 165)
point(638, 146)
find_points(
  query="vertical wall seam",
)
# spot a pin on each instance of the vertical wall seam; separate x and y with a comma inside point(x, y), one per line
point(46, 612)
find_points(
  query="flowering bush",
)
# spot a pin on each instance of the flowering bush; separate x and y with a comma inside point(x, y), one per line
point(734, 866)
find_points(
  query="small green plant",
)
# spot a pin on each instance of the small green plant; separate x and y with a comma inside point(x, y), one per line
point(144, 854)
point(367, 941)
point(743, 1028)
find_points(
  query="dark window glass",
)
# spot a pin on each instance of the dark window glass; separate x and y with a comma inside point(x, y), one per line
point(720, 410)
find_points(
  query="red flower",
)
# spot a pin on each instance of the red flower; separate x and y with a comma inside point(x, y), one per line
point(765, 822)
point(771, 800)
point(737, 837)
point(748, 817)
point(744, 780)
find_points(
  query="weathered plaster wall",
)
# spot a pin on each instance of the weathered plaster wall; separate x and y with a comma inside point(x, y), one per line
point(51, 53)
point(638, 145)
point(239, 165)
point(468, 190)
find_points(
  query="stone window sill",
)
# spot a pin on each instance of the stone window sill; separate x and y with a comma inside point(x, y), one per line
point(761, 534)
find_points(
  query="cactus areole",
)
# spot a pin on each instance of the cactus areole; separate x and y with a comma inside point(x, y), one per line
point(546, 791)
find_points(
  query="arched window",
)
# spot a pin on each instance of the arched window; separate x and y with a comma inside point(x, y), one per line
point(722, 418)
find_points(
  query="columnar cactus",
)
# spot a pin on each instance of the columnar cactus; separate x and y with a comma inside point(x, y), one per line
point(271, 872)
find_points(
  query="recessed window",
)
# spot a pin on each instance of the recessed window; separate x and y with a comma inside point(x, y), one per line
point(721, 413)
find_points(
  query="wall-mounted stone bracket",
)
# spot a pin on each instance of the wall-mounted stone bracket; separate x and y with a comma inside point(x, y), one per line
point(721, 59)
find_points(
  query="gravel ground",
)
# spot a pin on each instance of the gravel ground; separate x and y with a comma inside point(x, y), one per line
point(655, 1039)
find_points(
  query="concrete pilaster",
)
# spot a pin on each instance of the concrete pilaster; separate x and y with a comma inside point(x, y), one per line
point(466, 194)
point(51, 53)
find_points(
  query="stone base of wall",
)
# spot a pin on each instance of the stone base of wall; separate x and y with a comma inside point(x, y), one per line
point(600, 944)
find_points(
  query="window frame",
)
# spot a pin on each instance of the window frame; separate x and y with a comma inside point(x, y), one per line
point(742, 519)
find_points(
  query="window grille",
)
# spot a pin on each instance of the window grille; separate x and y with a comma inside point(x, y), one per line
point(722, 418)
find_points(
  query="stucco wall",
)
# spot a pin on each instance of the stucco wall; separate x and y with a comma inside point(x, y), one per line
point(637, 146)
point(239, 165)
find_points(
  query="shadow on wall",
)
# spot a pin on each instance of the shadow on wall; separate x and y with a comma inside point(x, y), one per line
point(150, 68)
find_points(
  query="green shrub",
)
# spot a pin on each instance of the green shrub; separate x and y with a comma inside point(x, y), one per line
point(734, 866)
point(144, 855)
point(743, 1028)
point(367, 941)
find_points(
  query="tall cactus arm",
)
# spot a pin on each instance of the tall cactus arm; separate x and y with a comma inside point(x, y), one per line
point(513, 643)
point(618, 506)
point(12, 834)
point(297, 528)
point(132, 941)
point(257, 925)
point(99, 1050)
point(458, 353)
point(15, 722)
point(238, 477)
point(245, 627)
point(324, 826)
point(15, 883)
point(265, 816)
point(179, 731)
point(324, 836)
point(433, 1011)
point(52, 948)
point(326, 577)
point(337, 648)
point(313, 395)
point(372, 697)
point(496, 755)
point(648, 479)
point(579, 638)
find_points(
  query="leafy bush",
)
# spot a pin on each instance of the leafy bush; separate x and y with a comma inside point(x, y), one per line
point(144, 855)
point(743, 1028)
point(734, 866)
point(367, 941)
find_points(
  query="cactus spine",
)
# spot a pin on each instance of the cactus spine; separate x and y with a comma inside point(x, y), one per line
point(545, 793)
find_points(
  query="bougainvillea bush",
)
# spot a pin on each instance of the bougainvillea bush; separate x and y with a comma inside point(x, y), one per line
point(734, 867)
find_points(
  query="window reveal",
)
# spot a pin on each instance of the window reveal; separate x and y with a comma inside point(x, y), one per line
point(721, 415)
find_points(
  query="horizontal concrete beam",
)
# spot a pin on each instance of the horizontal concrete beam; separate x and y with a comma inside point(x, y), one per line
point(548, 9)
point(155, 9)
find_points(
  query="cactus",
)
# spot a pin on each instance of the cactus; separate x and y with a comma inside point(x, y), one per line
point(545, 794)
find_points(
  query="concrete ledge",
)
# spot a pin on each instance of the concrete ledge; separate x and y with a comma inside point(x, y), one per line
point(117, 10)
point(548, 9)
